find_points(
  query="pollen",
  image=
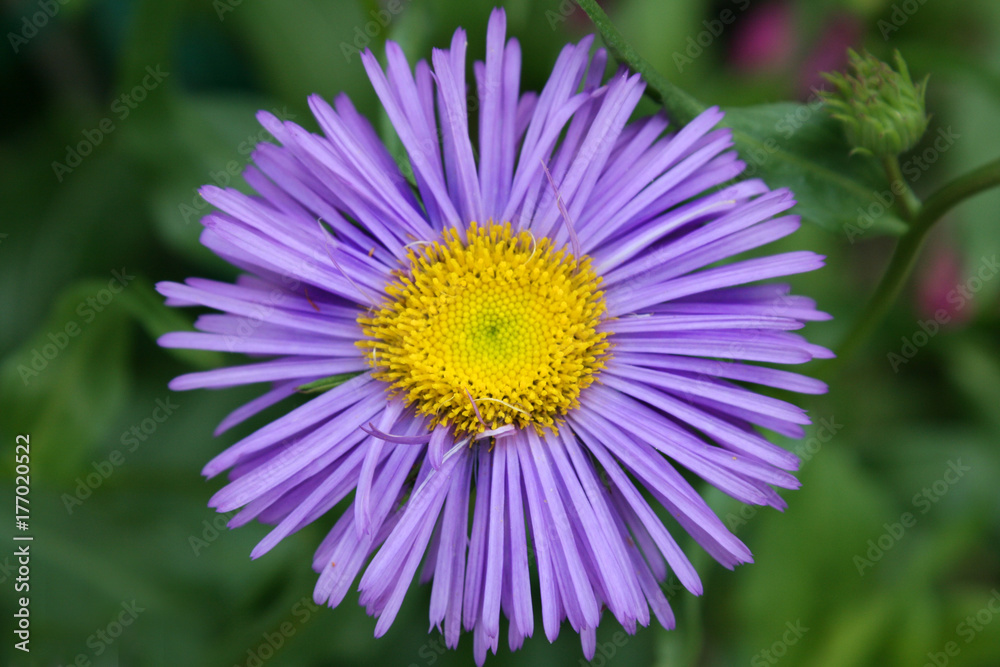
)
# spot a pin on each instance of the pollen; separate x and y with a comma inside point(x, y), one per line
point(489, 328)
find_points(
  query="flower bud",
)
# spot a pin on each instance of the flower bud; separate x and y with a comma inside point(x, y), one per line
point(882, 110)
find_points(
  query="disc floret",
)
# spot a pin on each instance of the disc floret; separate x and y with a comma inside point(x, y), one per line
point(489, 328)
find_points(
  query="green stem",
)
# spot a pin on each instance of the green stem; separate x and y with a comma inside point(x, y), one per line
point(922, 219)
point(682, 107)
point(908, 201)
point(960, 189)
point(903, 259)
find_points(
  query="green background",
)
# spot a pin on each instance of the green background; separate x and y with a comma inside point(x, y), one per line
point(144, 533)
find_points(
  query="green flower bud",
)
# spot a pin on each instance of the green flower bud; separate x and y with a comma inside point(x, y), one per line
point(882, 110)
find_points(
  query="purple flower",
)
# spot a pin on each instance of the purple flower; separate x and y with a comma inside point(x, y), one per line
point(534, 326)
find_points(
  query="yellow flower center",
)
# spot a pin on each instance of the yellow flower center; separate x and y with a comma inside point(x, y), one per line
point(500, 329)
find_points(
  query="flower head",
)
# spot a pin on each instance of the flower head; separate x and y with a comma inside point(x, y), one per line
point(539, 325)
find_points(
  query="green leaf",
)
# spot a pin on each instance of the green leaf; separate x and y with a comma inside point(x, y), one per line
point(326, 383)
point(799, 146)
point(65, 385)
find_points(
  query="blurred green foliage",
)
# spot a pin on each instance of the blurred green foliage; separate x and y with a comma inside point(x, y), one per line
point(118, 508)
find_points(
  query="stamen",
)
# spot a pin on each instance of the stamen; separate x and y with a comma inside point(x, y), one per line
point(497, 400)
point(450, 453)
point(397, 439)
point(475, 409)
point(498, 433)
point(574, 239)
point(534, 246)
point(306, 290)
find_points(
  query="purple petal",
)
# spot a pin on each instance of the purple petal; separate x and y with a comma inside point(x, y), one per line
point(267, 371)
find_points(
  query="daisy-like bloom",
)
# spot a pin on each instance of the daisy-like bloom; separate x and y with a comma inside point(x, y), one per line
point(540, 328)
